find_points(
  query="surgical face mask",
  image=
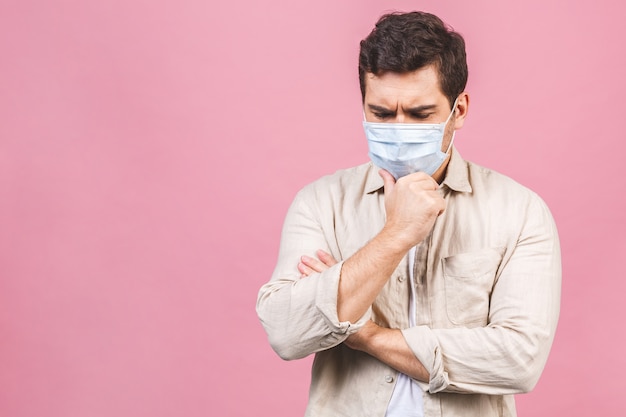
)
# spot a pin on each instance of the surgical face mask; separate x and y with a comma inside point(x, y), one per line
point(405, 148)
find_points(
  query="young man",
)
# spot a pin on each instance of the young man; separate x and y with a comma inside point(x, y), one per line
point(425, 285)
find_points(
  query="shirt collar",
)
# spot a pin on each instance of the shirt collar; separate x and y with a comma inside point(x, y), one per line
point(456, 178)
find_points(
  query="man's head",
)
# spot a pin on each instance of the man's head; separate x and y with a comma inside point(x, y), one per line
point(412, 70)
point(405, 42)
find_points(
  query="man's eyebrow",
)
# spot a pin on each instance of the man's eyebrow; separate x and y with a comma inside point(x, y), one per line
point(380, 109)
point(420, 109)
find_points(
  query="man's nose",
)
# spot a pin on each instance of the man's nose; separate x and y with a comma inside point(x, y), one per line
point(400, 118)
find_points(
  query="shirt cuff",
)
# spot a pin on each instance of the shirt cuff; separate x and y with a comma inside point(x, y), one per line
point(425, 346)
point(326, 301)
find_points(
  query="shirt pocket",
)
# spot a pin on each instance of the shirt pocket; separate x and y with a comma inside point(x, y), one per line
point(469, 279)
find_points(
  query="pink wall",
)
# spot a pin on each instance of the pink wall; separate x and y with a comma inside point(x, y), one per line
point(149, 151)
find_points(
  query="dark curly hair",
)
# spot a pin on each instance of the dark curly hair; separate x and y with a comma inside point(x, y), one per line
point(405, 42)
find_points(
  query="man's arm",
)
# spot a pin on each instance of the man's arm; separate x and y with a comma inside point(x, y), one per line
point(386, 345)
point(507, 356)
point(389, 347)
point(303, 316)
point(412, 205)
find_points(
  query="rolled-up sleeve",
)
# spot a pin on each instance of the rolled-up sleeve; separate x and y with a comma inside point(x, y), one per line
point(507, 355)
point(300, 314)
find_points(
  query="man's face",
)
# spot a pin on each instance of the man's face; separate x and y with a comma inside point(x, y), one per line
point(413, 97)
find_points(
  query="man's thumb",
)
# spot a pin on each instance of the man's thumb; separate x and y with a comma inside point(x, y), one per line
point(388, 180)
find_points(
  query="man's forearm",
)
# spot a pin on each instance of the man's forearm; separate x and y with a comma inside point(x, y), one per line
point(389, 347)
point(365, 273)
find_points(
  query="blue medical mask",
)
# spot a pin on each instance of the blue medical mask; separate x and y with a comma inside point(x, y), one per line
point(405, 148)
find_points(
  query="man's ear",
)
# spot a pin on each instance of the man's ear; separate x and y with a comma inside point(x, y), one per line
point(460, 111)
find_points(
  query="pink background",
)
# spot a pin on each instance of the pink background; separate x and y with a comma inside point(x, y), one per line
point(150, 149)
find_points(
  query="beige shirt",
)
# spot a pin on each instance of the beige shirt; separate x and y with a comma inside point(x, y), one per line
point(487, 304)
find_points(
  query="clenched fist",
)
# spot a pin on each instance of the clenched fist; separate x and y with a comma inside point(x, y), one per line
point(412, 204)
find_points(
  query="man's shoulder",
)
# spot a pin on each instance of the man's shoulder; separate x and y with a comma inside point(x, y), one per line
point(482, 173)
point(491, 185)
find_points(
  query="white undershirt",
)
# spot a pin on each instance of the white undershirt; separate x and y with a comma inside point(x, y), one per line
point(406, 400)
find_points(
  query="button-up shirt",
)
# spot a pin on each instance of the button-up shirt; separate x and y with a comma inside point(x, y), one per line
point(486, 307)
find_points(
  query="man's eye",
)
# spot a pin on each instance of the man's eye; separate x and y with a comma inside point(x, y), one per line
point(421, 116)
point(382, 116)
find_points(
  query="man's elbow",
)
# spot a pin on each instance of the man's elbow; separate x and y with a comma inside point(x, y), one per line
point(286, 350)
point(526, 380)
point(526, 372)
point(531, 349)
point(281, 339)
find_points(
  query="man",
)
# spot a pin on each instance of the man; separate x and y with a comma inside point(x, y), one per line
point(425, 284)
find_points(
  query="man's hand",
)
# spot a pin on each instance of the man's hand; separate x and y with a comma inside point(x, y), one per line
point(412, 205)
point(308, 265)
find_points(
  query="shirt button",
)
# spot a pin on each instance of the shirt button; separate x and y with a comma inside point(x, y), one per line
point(389, 379)
point(401, 278)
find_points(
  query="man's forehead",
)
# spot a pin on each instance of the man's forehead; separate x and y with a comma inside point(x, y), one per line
point(415, 87)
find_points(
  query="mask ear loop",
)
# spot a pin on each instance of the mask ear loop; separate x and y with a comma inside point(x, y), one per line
point(446, 123)
point(451, 112)
point(451, 142)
